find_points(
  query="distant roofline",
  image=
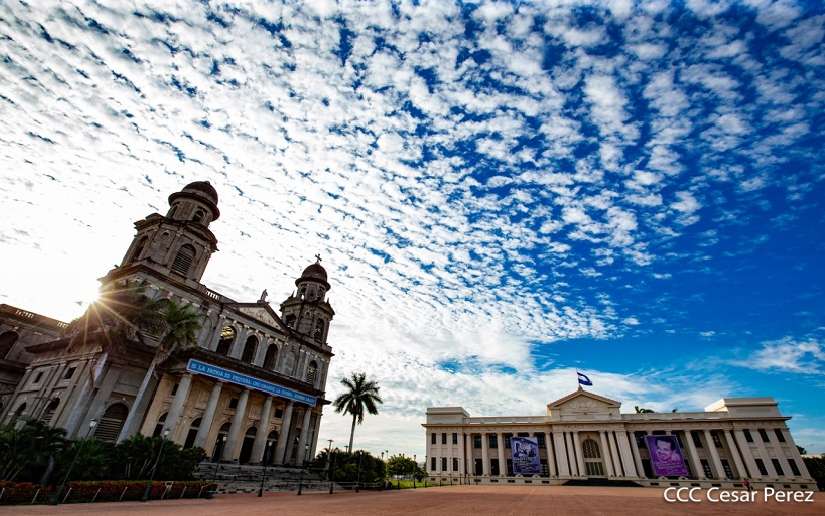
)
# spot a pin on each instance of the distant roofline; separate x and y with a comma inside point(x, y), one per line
point(27, 316)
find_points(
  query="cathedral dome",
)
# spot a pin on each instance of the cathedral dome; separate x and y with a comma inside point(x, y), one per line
point(314, 273)
point(200, 191)
point(203, 187)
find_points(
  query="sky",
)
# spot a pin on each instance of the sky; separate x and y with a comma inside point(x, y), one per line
point(502, 193)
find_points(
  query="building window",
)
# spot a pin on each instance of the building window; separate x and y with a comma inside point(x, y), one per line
point(192, 434)
point(110, 425)
point(717, 439)
point(779, 435)
point(748, 436)
point(290, 320)
point(647, 468)
point(778, 467)
point(443, 463)
point(455, 438)
point(48, 414)
point(174, 389)
point(455, 464)
point(590, 449)
point(507, 438)
point(38, 377)
point(228, 334)
point(312, 372)
point(318, 333)
point(279, 413)
point(509, 471)
point(7, 340)
point(706, 468)
point(183, 260)
point(697, 441)
point(198, 216)
point(640, 439)
point(433, 438)
point(494, 468)
point(726, 468)
point(271, 357)
point(540, 440)
point(794, 467)
point(233, 403)
point(477, 441)
point(761, 465)
point(764, 435)
point(444, 438)
point(159, 425)
point(69, 373)
point(249, 349)
point(478, 466)
point(493, 441)
point(432, 463)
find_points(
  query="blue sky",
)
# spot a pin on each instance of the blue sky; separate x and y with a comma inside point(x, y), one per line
point(502, 193)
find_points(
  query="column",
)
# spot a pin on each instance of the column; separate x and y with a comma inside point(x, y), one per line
point(75, 427)
point(461, 458)
point(102, 396)
point(551, 458)
point(259, 447)
point(176, 409)
point(747, 456)
point(216, 334)
point(714, 455)
point(449, 453)
point(637, 457)
point(561, 454)
point(694, 456)
point(233, 442)
point(614, 450)
point(502, 462)
point(283, 437)
point(740, 468)
point(627, 456)
point(763, 450)
point(469, 463)
point(141, 402)
point(302, 441)
point(606, 454)
point(578, 448)
point(208, 415)
point(236, 349)
point(485, 456)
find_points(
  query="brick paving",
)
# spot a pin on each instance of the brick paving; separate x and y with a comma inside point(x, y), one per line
point(444, 501)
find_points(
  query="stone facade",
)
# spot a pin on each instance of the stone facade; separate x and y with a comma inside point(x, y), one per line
point(584, 436)
point(266, 406)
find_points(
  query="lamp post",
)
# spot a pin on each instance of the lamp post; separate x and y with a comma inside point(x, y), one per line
point(266, 463)
point(415, 469)
point(59, 492)
point(148, 491)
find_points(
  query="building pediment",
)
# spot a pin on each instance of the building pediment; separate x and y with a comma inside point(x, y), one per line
point(260, 312)
point(583, 405)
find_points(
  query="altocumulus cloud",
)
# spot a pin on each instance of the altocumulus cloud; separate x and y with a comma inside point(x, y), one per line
point(474, 175)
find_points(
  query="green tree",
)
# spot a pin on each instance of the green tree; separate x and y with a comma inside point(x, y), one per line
point(644, 410)
point(352, 467)
point(816, 467)
point(28, 449)
point(361, 396)
point(401, 465)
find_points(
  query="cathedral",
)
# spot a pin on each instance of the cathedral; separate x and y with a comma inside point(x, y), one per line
point(249, 391)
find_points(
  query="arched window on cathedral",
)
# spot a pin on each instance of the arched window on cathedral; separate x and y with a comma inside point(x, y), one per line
point(183, 260)
point(192, 434)
point(302, 292)
point(318, 332)
point(249, 349)
point(159, 425)
point(199, 216)
point(48, 414)
point(312, 372)
point(290, 320)
point(590, 449)
point(7, 340)
point(271, 357)
point(111, 423)
point(139, 249)
point(227, 338)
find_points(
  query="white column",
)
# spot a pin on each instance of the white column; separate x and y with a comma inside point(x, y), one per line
point(614, 454)
point(233, 443)
point(208, 415)
point(259, 447)
point(236, 350)
point(502, 462)
point(637, 457)
point(578, 448)
point(469, 463)
point(608, 465)
point(740, 468)
point(626, 455)
point(747, 456)
point(485, 456)
point(449, 453)
point(302, 441)
point(176, 409)
point(714, 455)
point(283, 437)
point(551, 463)
point(212, 343)
point(694, 456)
point(561, 454)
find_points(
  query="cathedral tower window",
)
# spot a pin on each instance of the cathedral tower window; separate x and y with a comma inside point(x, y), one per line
point(139, 249)
point(7, 340)
point(318, 333)
point(199, 216)
point(192, 434)
point(227, 338)
point(249, 349)
point(290, 320)
point(183, 260)
point(312, 372)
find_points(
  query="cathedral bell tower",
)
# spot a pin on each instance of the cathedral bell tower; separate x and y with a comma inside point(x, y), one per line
point(307, 311)
point(180, 243)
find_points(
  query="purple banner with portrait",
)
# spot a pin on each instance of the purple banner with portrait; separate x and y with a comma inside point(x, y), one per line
point(666, 456)
point(526, 460)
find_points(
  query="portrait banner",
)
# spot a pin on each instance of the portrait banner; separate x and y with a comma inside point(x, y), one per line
point(666, 456)
point(526, 460)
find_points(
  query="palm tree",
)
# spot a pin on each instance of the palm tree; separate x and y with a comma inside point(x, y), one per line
point(361, 395)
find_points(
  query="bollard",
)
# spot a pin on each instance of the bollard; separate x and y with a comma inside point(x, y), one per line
point(67, 494)
point(123, 493)
point(95, 496)
point(35, 496)
point(183, 492)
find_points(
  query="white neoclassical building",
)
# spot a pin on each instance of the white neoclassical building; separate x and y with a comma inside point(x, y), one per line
point(584, 438)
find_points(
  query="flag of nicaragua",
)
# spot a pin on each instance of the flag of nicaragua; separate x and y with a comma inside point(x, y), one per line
point(583, 379)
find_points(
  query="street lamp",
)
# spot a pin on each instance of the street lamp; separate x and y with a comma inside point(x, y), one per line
point(266, 463)
point(148, 491)
point(59, 493)
point(415, 469)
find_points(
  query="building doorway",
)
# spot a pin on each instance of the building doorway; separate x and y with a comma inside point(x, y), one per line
point(248, 443)
point(220, 442)
point(593, 466)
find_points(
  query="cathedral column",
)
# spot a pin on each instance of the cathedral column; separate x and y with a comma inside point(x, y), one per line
point(561, 453)
point(734, 453)
point(578, 449)
point(208, 416)
point(469, 463)
point(714, 455)
point(259, 446)
point(627, 455)
point(608, 463)
point(140, 404)
point(216, 334)
point(502, 461)
point(300, 457)
point(77, 403)
point(315, 429)
point(551, 457)
point(283, 436)
point(176, 408)
point(233, 442)
point(485, 457)
point(236, 350)
point(614, 454)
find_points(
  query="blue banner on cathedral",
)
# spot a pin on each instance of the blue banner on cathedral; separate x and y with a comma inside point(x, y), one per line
point(526, 459)
point(228, 375)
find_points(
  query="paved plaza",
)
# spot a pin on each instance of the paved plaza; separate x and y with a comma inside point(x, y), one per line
point(471, 500)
